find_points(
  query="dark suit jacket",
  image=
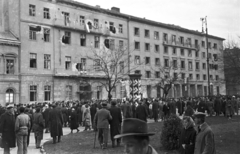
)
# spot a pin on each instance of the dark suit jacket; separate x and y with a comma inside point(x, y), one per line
point(115, 123)
point(141, 112)
point(102, 118)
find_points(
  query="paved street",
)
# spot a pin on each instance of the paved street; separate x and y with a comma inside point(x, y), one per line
point(46, 137)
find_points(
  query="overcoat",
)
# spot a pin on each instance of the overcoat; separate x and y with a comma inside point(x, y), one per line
point(155, 110)
point(38, 125)
point(205, 143)
point(56, 122)
point(141, 112)
point(102, 118)
point(189, 111)
point(115, 123)
point(46, 116)
point(201, 106)
point(229, 107)
point(74, 120)
point(93, 111)
point(217, 105)
point(7, 128)
point(188, 137)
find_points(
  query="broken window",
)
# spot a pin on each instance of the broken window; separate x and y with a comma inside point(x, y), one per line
point(33, 93)
point(137, 60)
point(66, 39)
point(96, 23)
point(120, 28)
point(9, 66)
point(32, 10)
point(147, 60)
point(83, 40)
point(112, 28)
point(96, 41)
point(97, 65)
point(147, 33)
point(156, 35)
point(121, 65)
point(66, 16)
point(156, 48)
point(157, 61)
point(47, 93)
point(136, 31)
point(47, 61)
point(82, 20)
point(67, 62)
point(46, 35)
point(137, 45)
point(33, 60)
point(46, 13)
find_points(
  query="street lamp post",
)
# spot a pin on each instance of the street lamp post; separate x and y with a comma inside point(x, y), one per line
point(204, 20)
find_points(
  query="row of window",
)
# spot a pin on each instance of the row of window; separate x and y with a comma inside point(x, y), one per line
point(181, 39)
point(81, 19)
point(174, 63)
point(148, 74)
point(174, 50)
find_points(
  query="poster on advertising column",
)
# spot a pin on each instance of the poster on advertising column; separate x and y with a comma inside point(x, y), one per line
point(134, 86)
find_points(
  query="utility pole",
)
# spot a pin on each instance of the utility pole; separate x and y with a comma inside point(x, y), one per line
point(204, 20)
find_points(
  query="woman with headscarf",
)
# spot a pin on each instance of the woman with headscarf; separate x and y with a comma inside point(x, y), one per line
point(188, 136)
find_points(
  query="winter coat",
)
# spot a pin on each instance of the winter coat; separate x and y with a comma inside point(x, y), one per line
point(115, 123)
point(127, 110)
point(22, 124)
point(217, 105)
point(189, 111)
point(38, 125)
point(74, 120)
point(201, 106)
point(141, 112)
point(188, 137)
point(7, 128)
point(229, 107)
point(46, 116)
point(102, 118)
point(56, 122)
point(155, 110)
point(205, 143)
point(93, 111)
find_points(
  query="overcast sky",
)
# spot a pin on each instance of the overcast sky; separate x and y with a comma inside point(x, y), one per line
point(223, 16)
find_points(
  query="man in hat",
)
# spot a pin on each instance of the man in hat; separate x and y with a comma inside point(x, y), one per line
point(115, 123)
point(101, 120)
point(205, 138)
point(141, 112)
point(22, 127)
point(135, 136)
point(7, 129)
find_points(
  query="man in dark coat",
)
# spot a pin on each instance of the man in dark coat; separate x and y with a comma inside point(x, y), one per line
point(74, 120)
point(7, 129)
point(93, 111)
point(201, 106)
point(101, 120)
point(217, 106)
point(56, 123)
point(115, 123)
point(27, 111)
point(155, 109)
point(141, 112)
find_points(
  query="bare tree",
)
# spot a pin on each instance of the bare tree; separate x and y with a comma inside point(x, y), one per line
point(111, 63)
point(169, 75)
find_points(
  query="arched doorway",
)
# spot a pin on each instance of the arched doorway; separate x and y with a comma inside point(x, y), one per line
point(85, 91)
point(9, 96)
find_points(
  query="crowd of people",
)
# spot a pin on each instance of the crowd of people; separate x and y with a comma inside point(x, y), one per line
point(18, 121)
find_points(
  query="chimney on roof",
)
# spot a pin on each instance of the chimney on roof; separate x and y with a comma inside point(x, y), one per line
point(115, 9)
point(98, 6)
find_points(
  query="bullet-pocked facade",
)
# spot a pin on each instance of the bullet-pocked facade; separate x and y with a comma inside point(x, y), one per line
point(52, 39)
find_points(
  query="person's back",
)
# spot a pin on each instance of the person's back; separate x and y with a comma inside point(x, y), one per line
point(102, 118)
point(141, 112)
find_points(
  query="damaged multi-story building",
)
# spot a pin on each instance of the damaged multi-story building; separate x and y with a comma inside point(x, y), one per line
point(43, 43)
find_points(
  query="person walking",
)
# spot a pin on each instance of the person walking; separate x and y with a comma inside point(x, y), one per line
point(155, 110)
point(141, 112)
point(205, 138)
point(101, 120)
point(87, 119)
point(115, 123)
point(38, 127)
point(7, 129)
point(27, 111)
point(188, 136)
point(56, 123)
point(46, 118)
point(22, 126)
point(74, 120)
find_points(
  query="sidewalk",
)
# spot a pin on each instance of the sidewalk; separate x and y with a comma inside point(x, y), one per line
point(46, 137)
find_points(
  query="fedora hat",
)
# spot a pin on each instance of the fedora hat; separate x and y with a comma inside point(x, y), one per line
point(199, 115)
point(134, 127)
